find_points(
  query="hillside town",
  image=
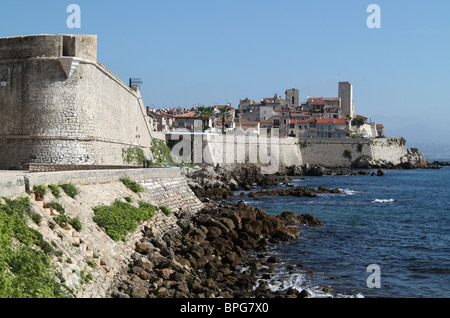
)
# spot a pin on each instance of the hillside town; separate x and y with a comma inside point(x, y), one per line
point(316, 117)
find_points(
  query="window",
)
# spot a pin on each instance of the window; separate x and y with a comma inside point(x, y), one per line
point(293, 100)
point(322, 128)
point(329, 127)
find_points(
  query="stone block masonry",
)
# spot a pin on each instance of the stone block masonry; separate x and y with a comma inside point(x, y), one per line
point(326, 152)
point(60, 106)
point(341, 153)
point(91, 252)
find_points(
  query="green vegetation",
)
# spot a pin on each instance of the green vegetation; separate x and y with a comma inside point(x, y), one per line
point(303, 144)
point(132, 185)
point(357, 122)
point(62, 219)
point(166, 210)
point(55, 190)
point(348, 154)
point(25, 267)
point(204, 113)
point(161, 153)
point(403, 141)
point(134, 155)
point(70, 189)
point(122, 218)
point(147, 208)
point(360, 147)
point(42, 189)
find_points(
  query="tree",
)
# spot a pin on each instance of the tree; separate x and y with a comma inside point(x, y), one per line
point(357, 122)
point(204, 113)
point(224, 113)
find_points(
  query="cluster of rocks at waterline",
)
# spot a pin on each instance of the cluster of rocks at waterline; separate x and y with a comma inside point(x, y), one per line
point(209, 255)
point(412, 160)
point(294, 192)
point(219, 182)
point(437, 164)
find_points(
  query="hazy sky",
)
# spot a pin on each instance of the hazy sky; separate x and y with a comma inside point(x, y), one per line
point(213, 51)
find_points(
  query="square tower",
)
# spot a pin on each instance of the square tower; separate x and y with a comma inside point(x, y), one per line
point(346, 96)
point(292, 98)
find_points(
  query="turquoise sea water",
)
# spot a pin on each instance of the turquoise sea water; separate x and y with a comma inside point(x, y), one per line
point(400, 222)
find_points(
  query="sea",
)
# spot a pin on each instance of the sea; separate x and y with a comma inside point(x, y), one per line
point(383, 237)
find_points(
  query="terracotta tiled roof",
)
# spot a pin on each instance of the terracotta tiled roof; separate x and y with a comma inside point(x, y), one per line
point(293, 121)
point(316, 101)
point(187, 115)
point(331, 121)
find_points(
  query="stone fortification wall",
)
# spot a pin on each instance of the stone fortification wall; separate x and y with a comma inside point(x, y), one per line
point(286, 152)
point(333, 153)
point(251, 149)
point(231, 149)
point(60, 106)
point(391, 150)
point(80, 250)
point(341, 153)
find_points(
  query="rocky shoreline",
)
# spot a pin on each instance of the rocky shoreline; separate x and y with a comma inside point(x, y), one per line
point(219, 252)
point(223, 250)
point(222, 182)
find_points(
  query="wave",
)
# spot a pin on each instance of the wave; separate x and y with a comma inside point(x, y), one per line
point(298, 282)
point(384, 201)
point(349, 191)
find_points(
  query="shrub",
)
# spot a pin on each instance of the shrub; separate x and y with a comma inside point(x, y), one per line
point(120, 218)
point(76, 224)
point(161, 153)
point(37, 218)
point(42, 189)
point(69, 189)
point(360, 147)
point(55, 190)
point(166, 210)
point(147, 209)
point(63, 219)
point(128, 199)
point(25, 267)
point(132, 185)
point(134, 155)
point(348, 154)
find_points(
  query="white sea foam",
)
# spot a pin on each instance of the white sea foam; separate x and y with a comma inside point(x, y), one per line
point(384, 201)
point(349, 191)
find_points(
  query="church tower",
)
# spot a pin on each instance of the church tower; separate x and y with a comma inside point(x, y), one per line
point(292, 98)
point(346, 96)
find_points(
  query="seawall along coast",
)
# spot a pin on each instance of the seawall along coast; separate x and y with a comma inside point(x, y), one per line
point(91, 252)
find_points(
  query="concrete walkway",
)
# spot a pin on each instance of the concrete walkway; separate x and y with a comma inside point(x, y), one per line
point(16, 183)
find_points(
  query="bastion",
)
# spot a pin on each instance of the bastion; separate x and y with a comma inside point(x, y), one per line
point(58, 105)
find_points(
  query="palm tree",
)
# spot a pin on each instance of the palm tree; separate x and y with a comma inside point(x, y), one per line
point(224, 113)
point(204, 113)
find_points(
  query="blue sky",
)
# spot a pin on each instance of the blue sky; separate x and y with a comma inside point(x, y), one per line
point(211, 51)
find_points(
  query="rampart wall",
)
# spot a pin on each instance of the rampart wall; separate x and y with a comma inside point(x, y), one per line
point(220, 149)
point(162, 186)
point(61, 106)
point(341, 153)
point(284, 152)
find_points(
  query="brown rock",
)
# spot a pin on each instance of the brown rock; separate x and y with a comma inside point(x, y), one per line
point(139, 292)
